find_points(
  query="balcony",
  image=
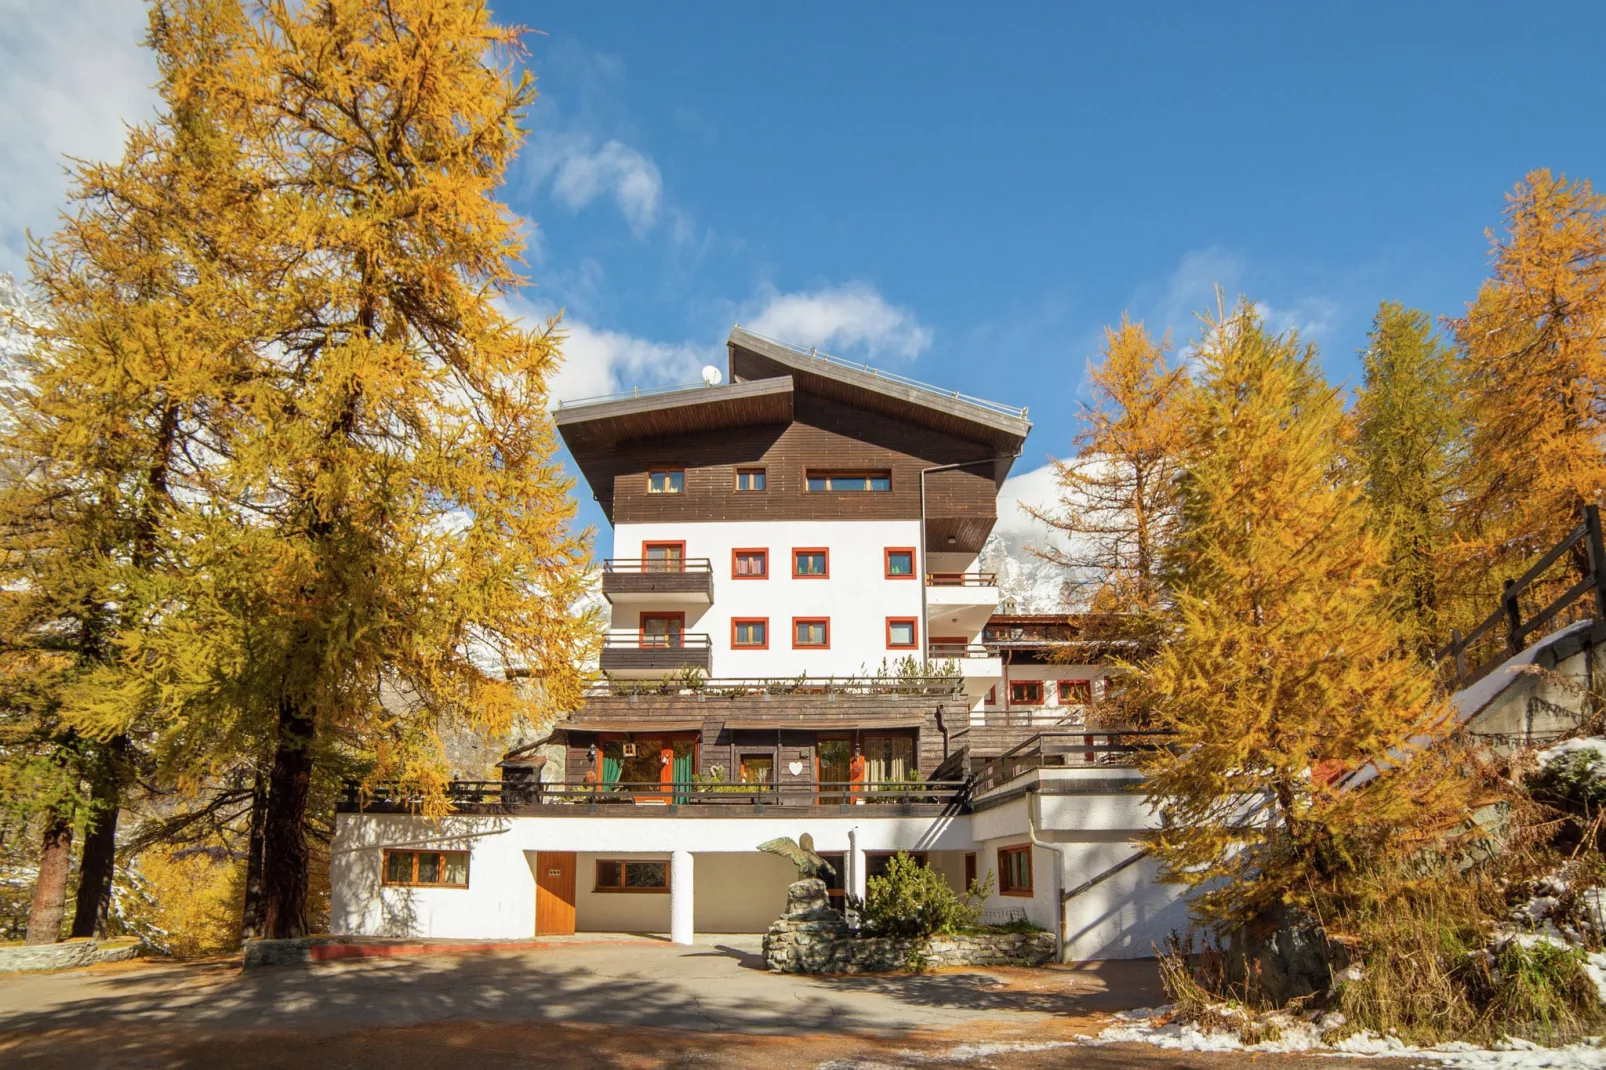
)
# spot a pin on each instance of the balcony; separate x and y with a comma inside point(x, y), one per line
point(980, 669)
point(960, 602)
point(635, 579)
point(636, 655)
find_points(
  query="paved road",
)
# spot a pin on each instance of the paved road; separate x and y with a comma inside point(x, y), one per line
point(583, 1006)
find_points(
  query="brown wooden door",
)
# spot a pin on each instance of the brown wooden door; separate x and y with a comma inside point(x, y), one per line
point(554, 893)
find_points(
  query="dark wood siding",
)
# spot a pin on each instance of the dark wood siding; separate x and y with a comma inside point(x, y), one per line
point(825, 435)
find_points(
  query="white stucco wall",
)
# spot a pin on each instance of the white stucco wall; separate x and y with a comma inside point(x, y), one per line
point(740, 892)
point(499, 902)
point(857, 596)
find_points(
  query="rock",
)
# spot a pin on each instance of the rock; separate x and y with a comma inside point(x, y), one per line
point(1284, 956)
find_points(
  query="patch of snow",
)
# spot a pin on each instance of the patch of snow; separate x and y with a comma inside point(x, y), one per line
point(1470, 700)
point(1597, 744)
point(1300, 1035)
point(1595, 967)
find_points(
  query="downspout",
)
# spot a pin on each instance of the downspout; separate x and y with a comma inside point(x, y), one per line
point(1034, 820)
point(920, 569)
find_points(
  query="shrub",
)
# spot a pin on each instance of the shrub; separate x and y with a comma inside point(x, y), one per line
point(912, 900)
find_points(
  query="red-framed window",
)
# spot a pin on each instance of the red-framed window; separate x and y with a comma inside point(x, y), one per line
point(666, 481)
point(750, 633)
point(664, 556)
point(899, 562)
point(750, 563)
point(1075, 692)
point(1026, 692)
point(751, 480)
point(992, 695)
point(1015, 870)
point(663, 629)
point(811, 563)
point(811, 633)
point(903, 633)
point(426, 869)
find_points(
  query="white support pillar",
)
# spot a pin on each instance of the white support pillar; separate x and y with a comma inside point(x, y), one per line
point(680, 898)
point(855, 880)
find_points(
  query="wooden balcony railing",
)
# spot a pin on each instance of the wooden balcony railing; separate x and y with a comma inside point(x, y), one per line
point(1585, 598)
point(628, 651)
point(961, 579)
point(646, 579)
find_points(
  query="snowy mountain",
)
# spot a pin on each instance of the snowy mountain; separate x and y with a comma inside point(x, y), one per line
point(19, 317)
point(1026, 582)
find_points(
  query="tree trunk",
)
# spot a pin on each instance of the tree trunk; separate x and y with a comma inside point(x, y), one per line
point(284, 841)
point(98, 864)
point(251, 921)
point(50, 891)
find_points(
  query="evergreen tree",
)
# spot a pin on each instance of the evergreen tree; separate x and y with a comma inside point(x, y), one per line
point(1286, 666)
point(1408, 434)
point(389, 531)
point(1533, 349)
point(1117, 496)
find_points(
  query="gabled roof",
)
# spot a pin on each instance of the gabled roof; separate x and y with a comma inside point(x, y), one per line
point(752, 356)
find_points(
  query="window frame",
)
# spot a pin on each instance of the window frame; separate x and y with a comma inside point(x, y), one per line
point(886, 563)
point(811, 620)
point(739, 550)
point(598, 888)
point(667, 471)
point(823, 551)
point(1013, 701)
point(992, 696)
point(384, 868)
point(828, 474)
point(758, 470)
point(765, 621)
point(650, 544)
point(1059, 692)
point(914, 633)
point(659, 614)
point(1022, 850)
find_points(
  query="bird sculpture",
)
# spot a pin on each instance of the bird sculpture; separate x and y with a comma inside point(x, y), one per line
point(800, 853)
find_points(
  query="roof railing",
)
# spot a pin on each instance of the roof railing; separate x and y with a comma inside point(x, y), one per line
point(634, 392)
point(893, 377)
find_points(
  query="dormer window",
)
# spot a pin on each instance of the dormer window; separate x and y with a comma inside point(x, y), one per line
point(849, 481)
point(666, 481)
point(750, 479)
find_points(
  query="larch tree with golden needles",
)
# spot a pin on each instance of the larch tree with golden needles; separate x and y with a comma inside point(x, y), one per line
point(1117, 495)
point(408, 539)
point(1408, 441)
point(1533, 348)
point(1286, 666)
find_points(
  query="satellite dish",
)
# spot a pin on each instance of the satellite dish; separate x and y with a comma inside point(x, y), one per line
point(712, 375)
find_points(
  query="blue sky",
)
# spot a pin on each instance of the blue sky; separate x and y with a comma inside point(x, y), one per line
point(965, 194)
point(996, 184)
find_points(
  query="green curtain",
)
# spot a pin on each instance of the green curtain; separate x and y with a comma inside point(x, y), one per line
point(682, 769)
point(611, 763)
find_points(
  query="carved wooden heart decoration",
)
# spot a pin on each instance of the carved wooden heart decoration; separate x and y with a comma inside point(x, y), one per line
point(795, 768)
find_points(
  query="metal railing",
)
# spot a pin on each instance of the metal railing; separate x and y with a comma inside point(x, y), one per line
point(961, 579)
point(635, 392)
point(740, 687)
point(893, 377)
point(631, 565)
point(1070, 748)
point(639, 640)
point(959, 650)
point(1583, 541)
point(511, 794)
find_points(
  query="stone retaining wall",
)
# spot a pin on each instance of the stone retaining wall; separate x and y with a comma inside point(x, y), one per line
point(811, 937)
point(23, 958)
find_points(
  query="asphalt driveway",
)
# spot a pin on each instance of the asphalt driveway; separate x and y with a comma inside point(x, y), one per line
point(644, 1004)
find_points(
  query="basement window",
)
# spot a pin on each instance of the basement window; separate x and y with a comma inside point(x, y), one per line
point(426, 869)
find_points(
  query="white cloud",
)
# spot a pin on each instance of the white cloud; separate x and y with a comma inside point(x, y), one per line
point(1038, 488)
point(848, 317)
point(581, 172)
point(72, 72)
